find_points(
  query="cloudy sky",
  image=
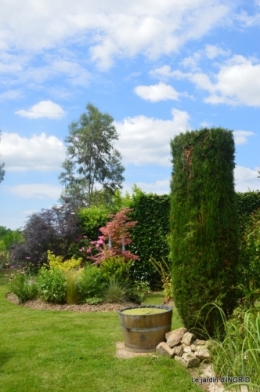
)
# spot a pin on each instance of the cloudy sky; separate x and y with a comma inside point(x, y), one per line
point(157, 67)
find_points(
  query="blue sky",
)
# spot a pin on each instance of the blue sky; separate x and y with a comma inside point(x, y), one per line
point(158, 68)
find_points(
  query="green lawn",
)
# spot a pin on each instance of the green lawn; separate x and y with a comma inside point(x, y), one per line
point(66, 351)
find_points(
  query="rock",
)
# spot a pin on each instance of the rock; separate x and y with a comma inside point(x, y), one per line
point(187, 338)
point(174, 337)
point(178, 350)
point(190, 360)
point(199, 342)
point(180, 360)
point(193, 347)
point(202, 353)
point(163, 349)
point(186, 349)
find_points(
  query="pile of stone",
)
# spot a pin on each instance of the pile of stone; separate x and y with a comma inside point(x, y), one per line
point(185, 348)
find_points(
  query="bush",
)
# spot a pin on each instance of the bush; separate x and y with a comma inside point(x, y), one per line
point(150, 235)
point(115, 267)
point(57, 262)
point(91, 219)
point(203, 225)
point(117, 234)
point(249, 266)
point(51, 284)
point(116, 292)
point(54, 229)
point(91, 283)
point(238, 353)
point(24, 286)
point(72, 293)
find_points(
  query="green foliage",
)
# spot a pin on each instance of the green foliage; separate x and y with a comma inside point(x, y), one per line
point(247, 203)
point(91, 219)
point(51, 284)
point(249, 263)
point(203, 224)
point(91, 283)
point(4, 258)
point(56, 262)
point(23, 286)
point(164, 270)
point(9, 238)
point(238, 353)
point(94, 301)
point(149, 237)
point(92, 159)
point(72, 278)
point(116, 292)
point(115, 267)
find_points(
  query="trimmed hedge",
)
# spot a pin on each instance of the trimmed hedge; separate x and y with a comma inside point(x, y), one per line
point(149, 236)
point(203, 220)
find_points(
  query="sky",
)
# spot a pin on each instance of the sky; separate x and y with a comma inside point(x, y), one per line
point(158, 68)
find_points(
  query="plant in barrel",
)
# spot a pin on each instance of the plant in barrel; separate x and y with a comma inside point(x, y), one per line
point(203, 221)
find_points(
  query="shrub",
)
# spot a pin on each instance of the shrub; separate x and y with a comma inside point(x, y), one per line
point(24, 286)
point(91, 283)
point(164, 270)
point(51, 284)
point(203, 225)
point(115, 267)
point(116, 292)
point(249, 269)
point(117, 234)
point(57, 262)
point(238, 353)
point(54, 229)
point(91, 219)
point(72, 293)
point(150, 235)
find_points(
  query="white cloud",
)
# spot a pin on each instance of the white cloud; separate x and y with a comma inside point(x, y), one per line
point(209, 52)
point(144, 140)
point(246, 179)
point(35, 191)
point(157, 92)
point(248, 20)
point(46, 109)
point(108, 29)
point(10, 94)
point(213, 51)
point(161, 187)
point(40, 152)
point(240, 137)
point(236, 83)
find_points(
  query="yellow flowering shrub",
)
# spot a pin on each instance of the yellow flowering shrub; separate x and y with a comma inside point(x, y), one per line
point(57, 262)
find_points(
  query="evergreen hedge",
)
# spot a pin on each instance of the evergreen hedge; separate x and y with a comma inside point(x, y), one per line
point(149, 236)
point(203, 222)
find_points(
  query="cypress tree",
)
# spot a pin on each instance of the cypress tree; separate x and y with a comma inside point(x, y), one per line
point(203, 223)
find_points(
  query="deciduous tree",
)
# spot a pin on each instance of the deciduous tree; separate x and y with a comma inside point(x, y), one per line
point(92, 164)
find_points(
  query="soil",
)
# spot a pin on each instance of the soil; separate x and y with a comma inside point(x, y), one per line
point(83, 308)
point(105, 307)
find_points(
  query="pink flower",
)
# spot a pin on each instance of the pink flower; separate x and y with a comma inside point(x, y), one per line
point(84, 236)
point(89, 250)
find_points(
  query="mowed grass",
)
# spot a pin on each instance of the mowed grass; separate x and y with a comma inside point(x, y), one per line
point(68, 351)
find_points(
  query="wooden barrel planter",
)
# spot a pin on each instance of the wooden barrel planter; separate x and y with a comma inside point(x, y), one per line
point(144, 327)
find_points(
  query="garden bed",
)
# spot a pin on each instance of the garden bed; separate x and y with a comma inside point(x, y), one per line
point(84, 308)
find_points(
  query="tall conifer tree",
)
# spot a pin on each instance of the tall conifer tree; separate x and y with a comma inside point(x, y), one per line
point(203, 225)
